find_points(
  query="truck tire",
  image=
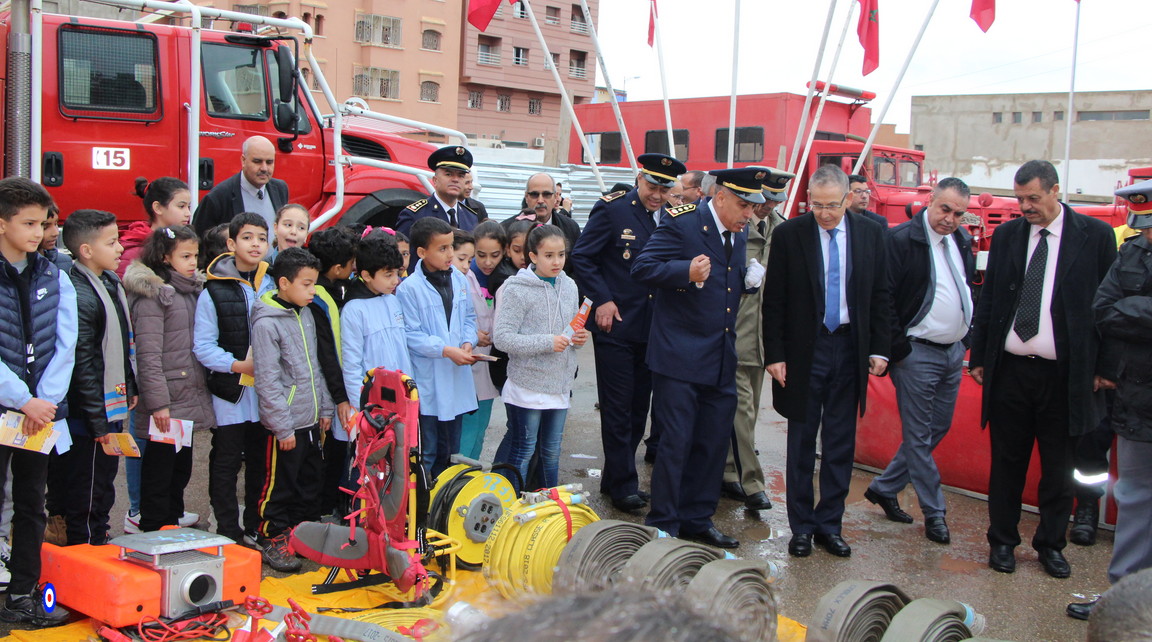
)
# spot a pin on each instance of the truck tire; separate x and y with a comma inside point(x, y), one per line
point(380, 208)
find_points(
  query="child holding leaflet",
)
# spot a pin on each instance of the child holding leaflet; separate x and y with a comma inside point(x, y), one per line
point(489, 241)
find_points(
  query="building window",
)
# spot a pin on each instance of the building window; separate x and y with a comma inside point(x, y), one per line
point(378, 30)
point(555, 62)
point(375, 82)
point(997, 117)
point(503, 102)
point(535, 106)
point(319, 28)
point(749, 145)
point(1057, 115)
point(656, 142)
point(918, 148)
point(475, 100)
point(1017, 117)
point(280, 15)
point(430, 40)
point(579, 25)
point(552, 15)
point(576, 64)
point(520, 56)
point(307, 18)
point(1037, 116)
point(488, 51)
point(430, 91)
point(520, 10)
point(254, 9)
point(605, 146)
point(1129, 114)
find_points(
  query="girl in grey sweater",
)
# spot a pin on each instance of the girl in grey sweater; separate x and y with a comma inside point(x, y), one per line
point(533, 310)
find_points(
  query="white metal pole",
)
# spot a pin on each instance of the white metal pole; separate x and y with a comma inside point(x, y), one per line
point(732, 101)
point(608, 84)
point(193, 106)
point(892, 94)
point(564, 94)
point(1070, 115)
point(663, 82)
point(811, 89)
point(820, 109)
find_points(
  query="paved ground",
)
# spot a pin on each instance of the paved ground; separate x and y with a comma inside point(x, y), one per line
point(1025, 606)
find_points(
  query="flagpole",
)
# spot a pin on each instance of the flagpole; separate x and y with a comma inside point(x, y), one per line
point(1070, 115)
point(892, 94)
point(795, 185)
point(811, 89)
point(732, 102)
point(608, 84)
point(564, 95)
point(655, 16)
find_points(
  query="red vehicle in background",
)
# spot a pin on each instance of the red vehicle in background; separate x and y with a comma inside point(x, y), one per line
point(98, 103)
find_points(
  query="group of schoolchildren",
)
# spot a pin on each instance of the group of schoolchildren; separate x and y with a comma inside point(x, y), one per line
point(157, 332)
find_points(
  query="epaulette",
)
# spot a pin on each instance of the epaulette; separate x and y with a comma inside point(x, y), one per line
point(681, 209)
point(415, 207)
point(464, 204)
point(613, 196)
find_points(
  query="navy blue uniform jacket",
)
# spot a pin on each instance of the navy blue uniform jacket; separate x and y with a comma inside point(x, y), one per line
point(693, 334)
point(429, 206)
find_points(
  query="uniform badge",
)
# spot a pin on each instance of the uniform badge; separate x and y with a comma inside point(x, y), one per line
point(666, 162)
point(705, 228)
point(1138, 198)
point(415, 207)
point(459, 151)
point(627, 235)
point(681, 209)
point(613, 196)
point(760, 175)
point(627, 254)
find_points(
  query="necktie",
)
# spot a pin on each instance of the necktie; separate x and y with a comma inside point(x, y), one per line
point(762, 226)
point(832, 286)
point(260, 194)
point(452, 217)
point(965, 302)
point(1027, 324)
point(727, 245)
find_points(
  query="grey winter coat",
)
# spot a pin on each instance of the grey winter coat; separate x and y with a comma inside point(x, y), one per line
point(289, 383)
point(529, 313)
point(167, 372)
point(1124, 317)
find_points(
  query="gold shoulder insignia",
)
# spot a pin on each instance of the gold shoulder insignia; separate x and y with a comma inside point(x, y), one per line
point(415, 207)
point(613, 196)
point(681, 209)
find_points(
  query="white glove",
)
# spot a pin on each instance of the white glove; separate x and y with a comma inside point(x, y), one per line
point(754, 274)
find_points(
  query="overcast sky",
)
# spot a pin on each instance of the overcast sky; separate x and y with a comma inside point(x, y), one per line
point(1028, 48)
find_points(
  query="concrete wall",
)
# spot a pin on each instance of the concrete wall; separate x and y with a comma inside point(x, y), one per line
point(960, 137)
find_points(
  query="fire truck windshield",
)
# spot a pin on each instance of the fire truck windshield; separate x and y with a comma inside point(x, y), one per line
point(234, 82)
point(896, 171)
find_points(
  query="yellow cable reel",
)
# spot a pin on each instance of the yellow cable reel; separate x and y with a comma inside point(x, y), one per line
point(465, 504)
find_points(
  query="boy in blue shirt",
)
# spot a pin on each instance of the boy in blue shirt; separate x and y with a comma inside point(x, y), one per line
point(441, 330)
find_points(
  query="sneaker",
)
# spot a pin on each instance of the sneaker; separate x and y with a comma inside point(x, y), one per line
point(56, 532)
point(132, 523)
point(29, 609)
point(277, 554)
point(250, 539)
point(5, 574)
point(188, 519)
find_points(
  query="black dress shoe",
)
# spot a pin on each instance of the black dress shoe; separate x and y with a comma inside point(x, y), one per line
point(1081, 610)
point(757, 501)
point(1053, 562)
point(711, 537)
point(650, 456)
point(936, 529)
point(1001, 558)
point(629, 503)
point(834, 544)
point(733, 490)
point(800, 545)
point(890, 505)
point(1084, 521)
point(643, 495)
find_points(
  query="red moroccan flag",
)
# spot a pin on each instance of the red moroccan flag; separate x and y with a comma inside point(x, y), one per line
point(984, 12)
point(480, 12)
point(868, 29)
point(652, 23)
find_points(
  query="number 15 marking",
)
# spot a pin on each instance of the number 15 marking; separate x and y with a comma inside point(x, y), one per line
point(111, 158)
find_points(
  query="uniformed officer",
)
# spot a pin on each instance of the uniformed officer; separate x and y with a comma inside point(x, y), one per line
point(696, 259)
point(618, 227)
point(452, 167)
point(743, 476)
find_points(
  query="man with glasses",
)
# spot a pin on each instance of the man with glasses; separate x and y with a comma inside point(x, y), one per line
point(858, 198)
point(826, 329)
point(675, 195)
point(691, 183)
point(543, 198)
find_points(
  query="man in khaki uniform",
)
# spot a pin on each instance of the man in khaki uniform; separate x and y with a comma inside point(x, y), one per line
point(743, 476)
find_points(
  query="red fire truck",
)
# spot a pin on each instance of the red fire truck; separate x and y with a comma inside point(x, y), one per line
point(98, 103)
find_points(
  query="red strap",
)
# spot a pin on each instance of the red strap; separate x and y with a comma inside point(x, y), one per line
point(555, 495)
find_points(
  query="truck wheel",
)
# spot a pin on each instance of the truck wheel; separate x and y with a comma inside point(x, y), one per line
point(380, 208)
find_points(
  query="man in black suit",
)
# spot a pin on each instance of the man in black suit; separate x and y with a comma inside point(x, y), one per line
point(251, 190)
point(543, 197)
point(825, 329)
point(859, 195)
point(1034, 348)
point(473, 204)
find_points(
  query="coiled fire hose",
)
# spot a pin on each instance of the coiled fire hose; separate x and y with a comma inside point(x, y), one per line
point(666, 564)
point(740, 587)
point(466, 503)
point(592, 561)
point(928, 620)
point(524, 546)
point(855, 611)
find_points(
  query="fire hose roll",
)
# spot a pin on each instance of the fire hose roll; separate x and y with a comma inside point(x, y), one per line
point(740, 589)
point(594, 558)
point(855, 611)
point(666, 564)
point(928, 620)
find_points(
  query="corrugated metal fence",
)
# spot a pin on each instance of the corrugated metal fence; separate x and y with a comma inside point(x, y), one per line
point(502, 186)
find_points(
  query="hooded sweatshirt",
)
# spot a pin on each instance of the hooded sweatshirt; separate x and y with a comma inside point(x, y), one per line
point(292, 391)
point(530, 313)
point(132, 240)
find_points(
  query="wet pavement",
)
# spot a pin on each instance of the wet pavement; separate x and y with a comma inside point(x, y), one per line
point(1027, 605)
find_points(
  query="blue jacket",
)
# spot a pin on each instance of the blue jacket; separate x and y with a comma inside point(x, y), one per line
point(52, 297)
point(446, 389)
point(694, 329)
point(617, 230)
point(372, 333)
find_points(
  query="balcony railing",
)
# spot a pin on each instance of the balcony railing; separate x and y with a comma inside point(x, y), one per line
point(579, 26)
point(577, 72)
point(487, 58)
